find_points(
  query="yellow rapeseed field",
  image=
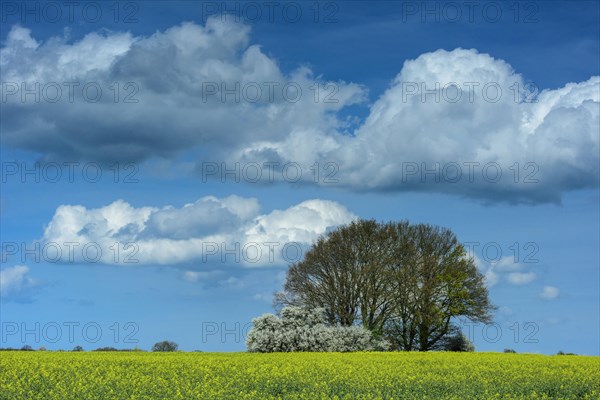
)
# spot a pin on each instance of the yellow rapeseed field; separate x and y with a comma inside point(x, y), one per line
point(102, 376)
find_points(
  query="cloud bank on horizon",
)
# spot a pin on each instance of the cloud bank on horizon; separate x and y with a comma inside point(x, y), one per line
point(458, 122)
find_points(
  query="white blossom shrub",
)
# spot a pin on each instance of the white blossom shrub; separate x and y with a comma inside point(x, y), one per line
point(299, 329)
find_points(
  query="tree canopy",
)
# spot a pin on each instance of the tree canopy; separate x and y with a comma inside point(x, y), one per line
point(399, 280)
point(165, 345)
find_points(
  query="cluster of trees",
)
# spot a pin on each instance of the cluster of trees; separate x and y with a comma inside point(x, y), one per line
point(403, 283)
point(159, 346)
point(24, 348)
point(108, 348)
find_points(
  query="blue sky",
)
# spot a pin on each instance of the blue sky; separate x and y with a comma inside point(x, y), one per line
point(170, 237)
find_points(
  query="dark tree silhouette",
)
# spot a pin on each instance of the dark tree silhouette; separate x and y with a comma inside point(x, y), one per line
point(165, 345)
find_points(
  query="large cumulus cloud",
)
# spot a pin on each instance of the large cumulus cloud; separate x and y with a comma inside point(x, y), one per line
point(463, 122)
point(169, 93)
point(543, 143)
point(210, 231)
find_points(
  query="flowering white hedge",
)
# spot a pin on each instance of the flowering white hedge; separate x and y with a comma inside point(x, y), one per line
point(300, 329)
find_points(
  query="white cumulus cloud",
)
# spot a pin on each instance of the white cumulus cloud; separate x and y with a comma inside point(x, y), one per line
point(549, 293)
point(210, 230)
point(487, 144)
point(507, 263)
point(172, 95)
point(16, 281)
point(521, 278)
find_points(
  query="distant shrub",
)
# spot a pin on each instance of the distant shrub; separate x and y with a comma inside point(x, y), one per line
point(509, 351)
point(106, 349)
point(457, 342)
point(562, 353)
point(165, 346)
point(77, 348)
